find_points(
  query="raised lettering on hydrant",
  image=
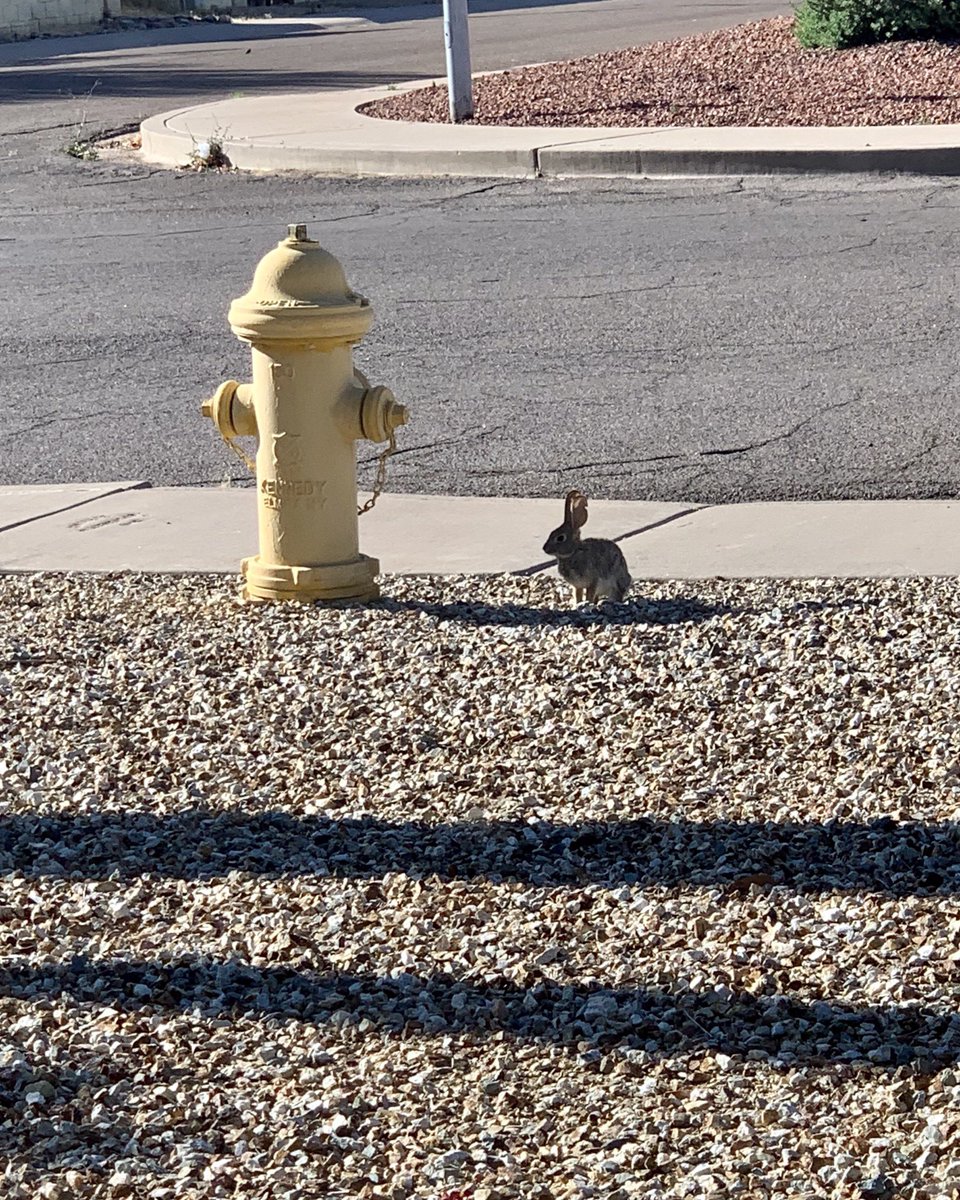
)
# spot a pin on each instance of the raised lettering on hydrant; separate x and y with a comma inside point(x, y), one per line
point(308, 406)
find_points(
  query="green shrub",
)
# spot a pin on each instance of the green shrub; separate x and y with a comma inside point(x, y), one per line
point(842, 23)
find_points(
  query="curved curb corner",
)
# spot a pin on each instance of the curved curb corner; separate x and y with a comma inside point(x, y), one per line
point(323, 133)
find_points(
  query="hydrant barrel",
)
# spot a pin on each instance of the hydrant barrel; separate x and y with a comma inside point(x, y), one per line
point(308, 406)
point(306, 463)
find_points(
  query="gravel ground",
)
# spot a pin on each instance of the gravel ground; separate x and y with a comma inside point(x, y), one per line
point(753, 74)
point(465, 894)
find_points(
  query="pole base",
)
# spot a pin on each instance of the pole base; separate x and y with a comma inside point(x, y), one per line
point(265, 582)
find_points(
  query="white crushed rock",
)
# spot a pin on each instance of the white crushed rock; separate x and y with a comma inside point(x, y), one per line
point(466, 895)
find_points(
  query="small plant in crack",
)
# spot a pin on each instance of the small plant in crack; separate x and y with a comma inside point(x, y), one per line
point(82, 148)
point(83, 143)
point(209, 155)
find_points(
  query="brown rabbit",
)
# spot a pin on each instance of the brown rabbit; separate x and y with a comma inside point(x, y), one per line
point(594, 566)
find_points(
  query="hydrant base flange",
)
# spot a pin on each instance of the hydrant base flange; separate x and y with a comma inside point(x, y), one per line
point(356, 580)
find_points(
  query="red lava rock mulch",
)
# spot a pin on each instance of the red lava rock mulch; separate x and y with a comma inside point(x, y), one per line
point(754, 74)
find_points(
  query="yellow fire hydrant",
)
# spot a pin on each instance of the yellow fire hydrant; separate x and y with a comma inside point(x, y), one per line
point(308, 406)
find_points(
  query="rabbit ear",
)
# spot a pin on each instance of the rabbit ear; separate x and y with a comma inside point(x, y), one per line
point(576, 509)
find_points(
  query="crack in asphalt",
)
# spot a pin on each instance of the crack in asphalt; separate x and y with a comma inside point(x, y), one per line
point(51, 362)
point(635, 472)
point(621, 467)
point(479, 432)
point(43, 423)
point(884, 480)
point(935, 444)
point(116, 368)
point(133, 177)
point(437, 201)
point(654, 287)
point(629, 468)
point(217, 229)
point(858, 245)
point(220, 481)
point(786, 434)
point(623, 291)
point(805, 255)
point(370, 211)
point(617, 462)
point(40, 129)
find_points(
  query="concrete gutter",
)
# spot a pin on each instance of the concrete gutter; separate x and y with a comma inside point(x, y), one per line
point(323, 133)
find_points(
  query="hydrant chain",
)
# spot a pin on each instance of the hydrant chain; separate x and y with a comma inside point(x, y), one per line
point(381, 476)
point(240, 453)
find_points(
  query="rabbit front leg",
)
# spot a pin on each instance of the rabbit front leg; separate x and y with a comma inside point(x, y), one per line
point(578, 596)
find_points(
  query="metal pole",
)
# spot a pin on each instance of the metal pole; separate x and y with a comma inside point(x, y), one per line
point(456, 37)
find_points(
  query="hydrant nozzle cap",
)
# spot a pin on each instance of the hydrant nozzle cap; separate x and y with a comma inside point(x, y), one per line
point(300, 292)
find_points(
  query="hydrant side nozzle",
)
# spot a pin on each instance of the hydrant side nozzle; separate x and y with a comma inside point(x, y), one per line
point(243, 415)
point(231, 409)
point(217, 406)
point(380, 414)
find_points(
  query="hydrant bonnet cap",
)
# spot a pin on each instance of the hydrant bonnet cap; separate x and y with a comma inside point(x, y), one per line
point(299, 290)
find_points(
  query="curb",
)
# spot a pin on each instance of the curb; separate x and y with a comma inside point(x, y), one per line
point(325, 134)
point(671, 163)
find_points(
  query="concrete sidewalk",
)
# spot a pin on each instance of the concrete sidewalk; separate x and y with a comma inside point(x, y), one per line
point(323, 133)
point(130, 526)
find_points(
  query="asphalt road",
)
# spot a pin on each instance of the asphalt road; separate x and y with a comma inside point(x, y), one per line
point(711, 341)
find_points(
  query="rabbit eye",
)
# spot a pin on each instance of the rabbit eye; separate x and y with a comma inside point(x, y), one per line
point(561, 537)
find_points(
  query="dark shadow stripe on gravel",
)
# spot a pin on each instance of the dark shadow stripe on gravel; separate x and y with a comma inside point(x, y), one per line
point(884, 856)
point(681, 610)
point(583, 1017)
